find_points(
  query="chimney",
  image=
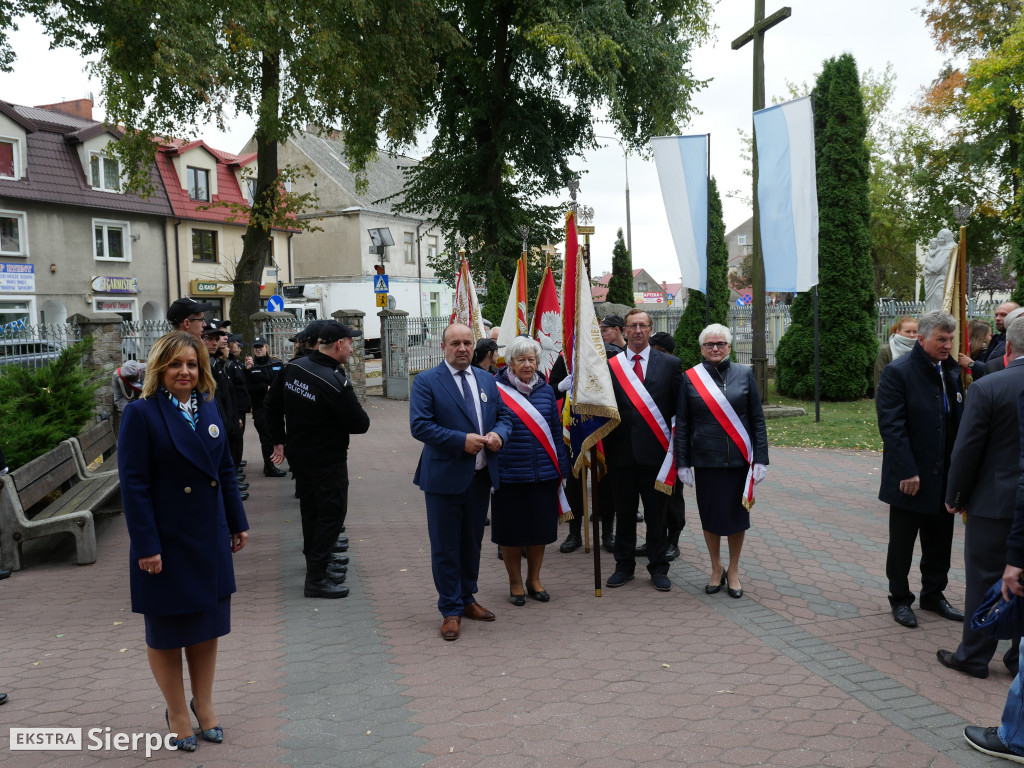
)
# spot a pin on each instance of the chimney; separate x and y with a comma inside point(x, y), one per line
point(81, 108)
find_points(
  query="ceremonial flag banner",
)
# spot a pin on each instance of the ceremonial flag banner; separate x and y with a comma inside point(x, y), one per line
point(954, 302)
point(569, 288)
point(787, 194)
point(547, 324)
point(592, 409)
point(682, 163)
point(513, 322)
point(466, 305)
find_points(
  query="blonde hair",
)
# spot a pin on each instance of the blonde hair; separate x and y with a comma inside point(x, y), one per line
point(166, 349)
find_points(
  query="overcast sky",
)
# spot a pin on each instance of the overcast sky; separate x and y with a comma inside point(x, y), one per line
point(874, 31)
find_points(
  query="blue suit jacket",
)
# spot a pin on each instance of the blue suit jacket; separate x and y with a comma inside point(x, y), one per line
point(181, 501)
point(440, 419)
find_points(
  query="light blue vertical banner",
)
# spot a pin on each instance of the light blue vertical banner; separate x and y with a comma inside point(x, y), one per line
point(682, 163)
point(787, 195)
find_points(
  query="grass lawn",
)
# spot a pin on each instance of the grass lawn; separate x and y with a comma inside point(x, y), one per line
point(842, 425)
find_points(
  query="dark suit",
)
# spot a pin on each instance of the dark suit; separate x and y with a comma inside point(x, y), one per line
point(983, 474)
point(181, 501)
point(456, 493)
point(918, 435)
point(634, 456)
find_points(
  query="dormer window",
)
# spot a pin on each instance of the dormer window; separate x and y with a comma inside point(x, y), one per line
point(105, 172)
point(198, 183)
point(8, 159)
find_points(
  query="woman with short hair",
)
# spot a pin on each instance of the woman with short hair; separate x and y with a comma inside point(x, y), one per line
point(721, 433)
point(525, 508)
point(185, 519)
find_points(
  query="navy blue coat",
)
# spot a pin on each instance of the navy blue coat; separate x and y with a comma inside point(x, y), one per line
point(523, 459)
point(181, 502)
point(440, 419)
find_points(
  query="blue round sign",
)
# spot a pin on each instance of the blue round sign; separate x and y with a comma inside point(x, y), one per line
point(275, 303)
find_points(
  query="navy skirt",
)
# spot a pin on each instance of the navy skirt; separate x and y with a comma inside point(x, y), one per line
point(525, 514)
point(180, 630)
point(719, 493)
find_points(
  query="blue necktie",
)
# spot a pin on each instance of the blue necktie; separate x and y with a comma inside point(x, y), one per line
point(942, 381)
point(468, 397)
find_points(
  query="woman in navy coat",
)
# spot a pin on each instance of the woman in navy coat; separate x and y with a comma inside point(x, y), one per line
point(525, 508)
point(185, 519)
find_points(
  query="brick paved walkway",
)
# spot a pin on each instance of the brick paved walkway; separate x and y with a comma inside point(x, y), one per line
point(808, 669)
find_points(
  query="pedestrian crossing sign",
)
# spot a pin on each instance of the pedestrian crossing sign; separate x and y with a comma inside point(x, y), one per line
point(380, 284)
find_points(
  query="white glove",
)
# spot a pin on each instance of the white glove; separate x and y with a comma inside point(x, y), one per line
point(565, 384)
point(685, 475)
point(760, 472)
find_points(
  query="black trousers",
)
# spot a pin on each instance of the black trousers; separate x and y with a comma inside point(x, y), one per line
point(323, 503)
point(605, 504)
point(259, 420)
point(630, 485)
point(936, 531)
point(984, 561)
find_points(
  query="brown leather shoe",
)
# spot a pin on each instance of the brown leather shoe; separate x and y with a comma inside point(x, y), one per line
point(477, 612)
point(450, 627)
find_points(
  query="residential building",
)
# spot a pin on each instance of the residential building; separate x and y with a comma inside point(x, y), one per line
point(71, 239)
point(647, 292)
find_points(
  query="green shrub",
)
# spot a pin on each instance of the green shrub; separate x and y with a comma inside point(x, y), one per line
point(40, 407)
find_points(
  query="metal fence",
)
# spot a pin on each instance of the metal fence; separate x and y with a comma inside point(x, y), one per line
point(277, 331)
point(138, 337)
point(33, 346)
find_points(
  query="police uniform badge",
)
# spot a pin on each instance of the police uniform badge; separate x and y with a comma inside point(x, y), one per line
point(483, 396)
point(214, 431)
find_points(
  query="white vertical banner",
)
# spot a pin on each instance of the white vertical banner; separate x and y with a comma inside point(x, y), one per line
point(682, 163)
point(787, 194)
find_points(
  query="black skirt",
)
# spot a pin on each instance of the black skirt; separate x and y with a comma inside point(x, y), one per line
point(525, 514)
point(720, 499)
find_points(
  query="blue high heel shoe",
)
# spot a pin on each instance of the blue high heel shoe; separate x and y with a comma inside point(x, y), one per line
point(215, 734)
point(185, 745)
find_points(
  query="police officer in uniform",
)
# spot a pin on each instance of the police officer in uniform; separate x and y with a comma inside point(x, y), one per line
point(227, 402)
point(235, 366)
point(313, 396)
point(260, 372)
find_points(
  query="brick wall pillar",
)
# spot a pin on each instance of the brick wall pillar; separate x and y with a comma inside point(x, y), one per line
point(356, 365)
point(104, 328)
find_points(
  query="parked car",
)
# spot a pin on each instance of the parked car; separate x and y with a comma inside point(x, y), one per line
point(28, 353)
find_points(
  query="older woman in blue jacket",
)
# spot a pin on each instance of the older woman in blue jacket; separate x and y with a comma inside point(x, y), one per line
point(531, 466)
point(185, 519)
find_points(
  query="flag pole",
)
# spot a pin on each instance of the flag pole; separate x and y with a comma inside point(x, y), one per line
point(595, 521)
point(707, 244)
point(585, 526)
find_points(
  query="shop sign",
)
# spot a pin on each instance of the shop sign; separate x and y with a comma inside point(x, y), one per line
point(114, 306)
point(18, 278)
point(218, 288)
point(115, 285)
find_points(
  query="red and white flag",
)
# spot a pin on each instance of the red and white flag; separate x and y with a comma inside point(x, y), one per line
point(570, 279)
point(466, 308)
point(547, 324)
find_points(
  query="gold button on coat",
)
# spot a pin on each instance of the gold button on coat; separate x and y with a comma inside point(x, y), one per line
point(213, 483)
point(187, 489)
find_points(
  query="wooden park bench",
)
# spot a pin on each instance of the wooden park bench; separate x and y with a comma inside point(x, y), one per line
point(29, 511)
point(96, 442)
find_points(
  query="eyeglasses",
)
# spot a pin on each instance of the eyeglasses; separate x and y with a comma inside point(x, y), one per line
point(715, 344)
point(637, 326)
point(194, 319)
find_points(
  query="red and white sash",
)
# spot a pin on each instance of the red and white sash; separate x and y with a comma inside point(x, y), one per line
point(648, 410)
point(728, 420)
point(541, 430)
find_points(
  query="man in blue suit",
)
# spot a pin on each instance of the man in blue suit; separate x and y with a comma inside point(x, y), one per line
point(455, 411)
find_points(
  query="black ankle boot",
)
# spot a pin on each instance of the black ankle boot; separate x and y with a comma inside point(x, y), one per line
point(318, 584)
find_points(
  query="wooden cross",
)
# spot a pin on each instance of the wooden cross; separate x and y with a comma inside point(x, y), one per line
point(759, 353)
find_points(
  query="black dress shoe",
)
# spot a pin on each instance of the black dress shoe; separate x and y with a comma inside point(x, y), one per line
point(608, 542)
point(948, 660)
point(339, 559)
point(244, 495)
point(944, 609)
point(3, 698)
point(987, 740)
point(640, 550)
point(736, 593)
point(243, 486)
point(339, 548)
point(904, 615)
point(271, 471)
point(324, 587)
point(672, 552)
point(571, 544)
point(538, 594)
point(4, 573)
point(242, 463)
point(515, 599)
point(712, 589)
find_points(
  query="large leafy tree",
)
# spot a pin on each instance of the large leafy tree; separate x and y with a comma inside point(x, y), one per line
point(694, 318)
point(516, 103)
point(363, 68)
point(976, 111)
point(847, 310)
point(620, 283)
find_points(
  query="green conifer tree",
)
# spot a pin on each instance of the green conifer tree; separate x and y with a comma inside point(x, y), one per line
point(497, 297)
point(846, 300)
point(693, 320)
point(620, 284)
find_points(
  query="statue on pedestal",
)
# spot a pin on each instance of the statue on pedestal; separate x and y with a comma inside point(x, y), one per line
point(940, 252)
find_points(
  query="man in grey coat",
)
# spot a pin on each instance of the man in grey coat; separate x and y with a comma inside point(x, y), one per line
point(982, 480)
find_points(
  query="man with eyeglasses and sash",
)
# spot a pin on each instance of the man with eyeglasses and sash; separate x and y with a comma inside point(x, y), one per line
point(639, 450)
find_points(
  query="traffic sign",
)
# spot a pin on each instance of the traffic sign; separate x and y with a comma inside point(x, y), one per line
point(382, 300)
point(275, 304)
point(380, 284)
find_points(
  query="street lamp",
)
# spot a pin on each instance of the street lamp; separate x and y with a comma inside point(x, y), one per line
point(625, 158)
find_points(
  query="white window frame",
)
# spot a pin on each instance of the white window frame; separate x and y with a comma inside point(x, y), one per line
point(101, 157)
point(126, 229)
point(29, 299)
point(409, 247)
point(741, 239)
point(16, 143)
point(431, 248)
point(23, 233)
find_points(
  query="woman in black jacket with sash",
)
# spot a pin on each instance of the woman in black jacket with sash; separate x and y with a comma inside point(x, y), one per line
point(721, 434)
